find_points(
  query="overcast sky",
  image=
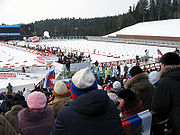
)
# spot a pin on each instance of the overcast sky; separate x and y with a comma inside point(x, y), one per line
point(27, 11)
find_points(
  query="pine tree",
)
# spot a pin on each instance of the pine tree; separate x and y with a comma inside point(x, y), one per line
point(143, 6)
point(152, 10)
point(174, 8)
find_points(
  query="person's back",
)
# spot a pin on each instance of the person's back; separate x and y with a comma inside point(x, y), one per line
point(60, 92)
point(38, 119)
point(91, 112)
point(141, 86)
point(11, 115)
point(166, 101)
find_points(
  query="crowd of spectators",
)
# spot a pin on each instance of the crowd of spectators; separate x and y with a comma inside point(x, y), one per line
point(96, 104)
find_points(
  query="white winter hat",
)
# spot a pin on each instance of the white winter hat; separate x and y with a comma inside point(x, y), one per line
point(60, 89)
point(116, 85)
point(82, 82)
point(153, 77)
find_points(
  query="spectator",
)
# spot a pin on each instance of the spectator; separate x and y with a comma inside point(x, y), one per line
point(5, 127)
point(11, 115)
point(96, 63)
point(116, 85)
point(91, 112)
point(129, 102)
point(68, 63)
point(166, 101)
point(10, 88)
point(119, 70)
point(153, 77)
point(6, 106)
point(141, 86)
point(125, 69)
point(37, 119)
point(60, 92)
point(100, 81)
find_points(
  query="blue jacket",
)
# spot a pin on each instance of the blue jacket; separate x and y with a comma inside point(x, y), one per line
point(89, 114)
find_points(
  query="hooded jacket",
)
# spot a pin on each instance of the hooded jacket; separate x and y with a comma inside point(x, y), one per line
point(89, 114)
point(36, 121)
point(166, 100)
point(141, 86)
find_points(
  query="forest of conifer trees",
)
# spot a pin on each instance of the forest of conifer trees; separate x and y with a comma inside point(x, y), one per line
point(144, 10)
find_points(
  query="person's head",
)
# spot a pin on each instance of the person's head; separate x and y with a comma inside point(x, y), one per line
point(36, 100)
point(116, 85)
point(17, 99)
point(82, 82)
point(126, 95)
point(135, 70)
point(169, 58)
point(60, 89)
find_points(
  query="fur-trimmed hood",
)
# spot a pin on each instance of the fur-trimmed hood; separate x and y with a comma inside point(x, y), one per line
point(139, 82)
point(172, 71)
point(141, 86)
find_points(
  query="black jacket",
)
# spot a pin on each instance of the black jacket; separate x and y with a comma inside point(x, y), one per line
point(89, 114)
point(166, 100)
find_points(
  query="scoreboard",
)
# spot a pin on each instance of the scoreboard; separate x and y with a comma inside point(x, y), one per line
point(17, 30)
point(10, 30)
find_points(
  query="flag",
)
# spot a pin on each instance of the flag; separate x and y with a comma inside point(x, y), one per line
point(138, 123)
point(49, 80)
point(159, 52)
point(67, 82)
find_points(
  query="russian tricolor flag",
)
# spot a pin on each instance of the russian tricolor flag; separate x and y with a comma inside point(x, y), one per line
point(159, 52)
point(67, 82)
point(49, 80)
point(139, 123)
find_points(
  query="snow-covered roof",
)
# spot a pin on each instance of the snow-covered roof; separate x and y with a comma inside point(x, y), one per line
point(169, 28)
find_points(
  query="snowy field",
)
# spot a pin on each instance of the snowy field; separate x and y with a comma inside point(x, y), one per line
point(14, 57)
point(102, 49)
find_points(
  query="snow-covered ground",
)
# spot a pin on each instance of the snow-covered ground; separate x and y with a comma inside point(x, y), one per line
point(125, 51)
point(169, 28)
point(14, 57)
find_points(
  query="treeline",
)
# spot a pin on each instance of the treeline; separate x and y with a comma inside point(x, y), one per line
point(144, 10)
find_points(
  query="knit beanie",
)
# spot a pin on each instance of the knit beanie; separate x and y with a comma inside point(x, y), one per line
point(82, 82)
point(60, 89)
point(36, 100)
point(116, 85)
point(126, 94)
point(135, 70)
point(153, 77)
